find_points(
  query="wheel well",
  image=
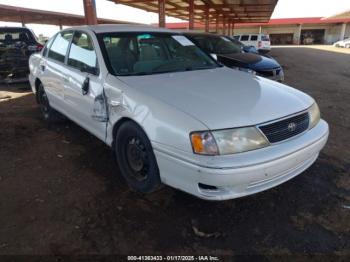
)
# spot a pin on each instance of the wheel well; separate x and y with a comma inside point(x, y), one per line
point(118, 124)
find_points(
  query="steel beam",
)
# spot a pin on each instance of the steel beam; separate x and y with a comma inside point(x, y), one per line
point(90, 12)
point(207, 19)
point(161, 13)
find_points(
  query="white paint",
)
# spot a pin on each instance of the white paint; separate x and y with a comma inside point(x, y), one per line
point(170, 106)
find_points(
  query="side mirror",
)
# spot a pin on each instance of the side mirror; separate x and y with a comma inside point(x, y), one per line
point(89, 70)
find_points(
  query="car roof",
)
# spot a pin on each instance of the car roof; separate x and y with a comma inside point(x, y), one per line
point(199, 33)
point(107, 28)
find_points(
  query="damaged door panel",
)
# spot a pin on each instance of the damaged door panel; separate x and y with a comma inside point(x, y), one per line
point(83, 92)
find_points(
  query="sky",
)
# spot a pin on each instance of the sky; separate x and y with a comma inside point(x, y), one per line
point(107, 9)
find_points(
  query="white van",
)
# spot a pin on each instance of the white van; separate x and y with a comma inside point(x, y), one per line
point(260, 41)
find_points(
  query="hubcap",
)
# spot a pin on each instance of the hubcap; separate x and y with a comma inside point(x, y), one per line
point(137, 158)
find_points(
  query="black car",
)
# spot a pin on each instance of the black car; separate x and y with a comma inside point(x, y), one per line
point(16, 46)
point(231, 55)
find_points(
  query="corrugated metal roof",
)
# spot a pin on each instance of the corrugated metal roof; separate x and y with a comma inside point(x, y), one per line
point(236, 11)
point(27, 15)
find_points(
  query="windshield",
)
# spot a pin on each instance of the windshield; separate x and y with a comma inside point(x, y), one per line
point(152, 53)
point(216, 44)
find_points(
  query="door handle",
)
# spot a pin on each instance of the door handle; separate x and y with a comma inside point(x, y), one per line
point(42, 67)
point(86, 86)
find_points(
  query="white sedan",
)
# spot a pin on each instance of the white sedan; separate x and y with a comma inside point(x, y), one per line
point(343, 43)
point(173, 115)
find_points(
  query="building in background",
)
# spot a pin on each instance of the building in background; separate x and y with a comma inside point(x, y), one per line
point(286, 31)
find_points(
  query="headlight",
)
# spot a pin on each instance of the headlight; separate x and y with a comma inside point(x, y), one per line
point(247, 70)
point(230, 141)
point(314, 114)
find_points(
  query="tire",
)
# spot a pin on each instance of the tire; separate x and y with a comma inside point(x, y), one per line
point(49, 114)
point(136, 159)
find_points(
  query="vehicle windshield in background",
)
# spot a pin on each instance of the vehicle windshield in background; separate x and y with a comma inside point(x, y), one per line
point(11, 36)
point(217, 44)
point(152, 53)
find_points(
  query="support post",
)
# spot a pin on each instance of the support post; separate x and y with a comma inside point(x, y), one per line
point(223, 26)
point(217, 23)
point(90, 12)
point(207, 19)
point(161, 13)
point(60, 24)
point(233, 29)
point(191, 14)
point(22, 22)
point(260, 29)
point(298, 36)
point(342, 31)
point(229, 28)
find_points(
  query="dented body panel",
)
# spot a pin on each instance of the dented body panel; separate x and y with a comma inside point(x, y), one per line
point(169, 106)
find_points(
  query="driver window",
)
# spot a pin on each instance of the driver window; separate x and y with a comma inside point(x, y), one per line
point(82, 54)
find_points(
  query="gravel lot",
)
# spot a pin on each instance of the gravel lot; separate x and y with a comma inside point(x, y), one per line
point(60, 192)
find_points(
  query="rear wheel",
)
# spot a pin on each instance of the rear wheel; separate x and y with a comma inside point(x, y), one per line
point(136, 159)
point(49, 114)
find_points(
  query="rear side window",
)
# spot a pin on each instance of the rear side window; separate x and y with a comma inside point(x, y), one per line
point(9, 36)
point(82, 54)
point(244, 37)
point(265, 38)
point(236, 37)
point(253, 38)
point(47, 45)
point(60, 45)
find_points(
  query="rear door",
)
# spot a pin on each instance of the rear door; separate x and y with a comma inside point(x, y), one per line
point(253, 41)
point(245, 39)
point(53, 67)
point(265, 42)
point(83, 93)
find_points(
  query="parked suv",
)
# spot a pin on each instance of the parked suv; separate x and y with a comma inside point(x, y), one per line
point(16, 46)
point(260, 41)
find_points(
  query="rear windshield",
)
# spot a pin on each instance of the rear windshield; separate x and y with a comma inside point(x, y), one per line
point(14, 35)
point(265, 38)
point(152, 53)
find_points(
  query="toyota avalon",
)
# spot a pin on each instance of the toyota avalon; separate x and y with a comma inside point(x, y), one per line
point(173, 115)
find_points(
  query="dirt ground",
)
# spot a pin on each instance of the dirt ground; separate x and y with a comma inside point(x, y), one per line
point(60, 191)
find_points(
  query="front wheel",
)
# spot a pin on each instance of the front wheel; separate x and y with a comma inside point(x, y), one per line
point(136, 159)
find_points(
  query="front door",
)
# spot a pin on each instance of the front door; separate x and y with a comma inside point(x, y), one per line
point(84, 95)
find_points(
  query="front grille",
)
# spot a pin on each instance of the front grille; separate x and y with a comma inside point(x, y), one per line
point(286, 128)
point(269, 73)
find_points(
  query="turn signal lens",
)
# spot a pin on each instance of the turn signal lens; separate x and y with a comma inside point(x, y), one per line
point(204, 143)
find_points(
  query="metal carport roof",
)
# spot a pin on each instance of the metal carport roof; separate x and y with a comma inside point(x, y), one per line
point(35, 16)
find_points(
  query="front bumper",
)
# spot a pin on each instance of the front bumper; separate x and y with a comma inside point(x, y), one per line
point(246, 173)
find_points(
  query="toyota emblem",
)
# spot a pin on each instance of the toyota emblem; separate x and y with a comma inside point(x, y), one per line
point(291, 127)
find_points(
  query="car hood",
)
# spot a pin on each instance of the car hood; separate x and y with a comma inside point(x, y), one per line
point(253, 61)
point(222, 97)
